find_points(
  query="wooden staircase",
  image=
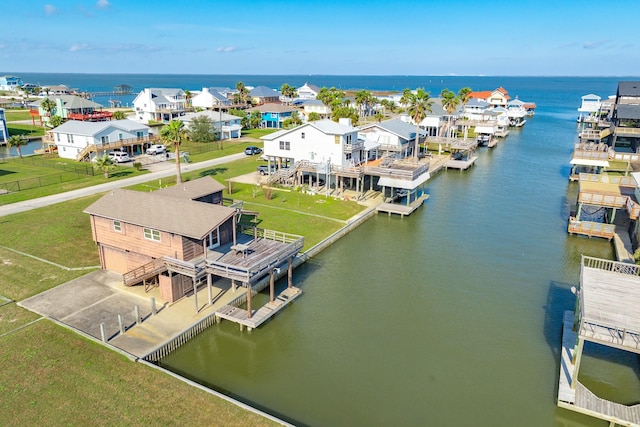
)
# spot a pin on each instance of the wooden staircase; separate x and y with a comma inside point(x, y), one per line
point(144, 272)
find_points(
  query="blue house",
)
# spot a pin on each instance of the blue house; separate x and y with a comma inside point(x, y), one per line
point(274, 114)
point(10, 83)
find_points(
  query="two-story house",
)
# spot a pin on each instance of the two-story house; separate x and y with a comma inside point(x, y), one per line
point(322, 141)
point(495, 98)
point(160, 104)
point(263, 95)
point(74, 138)
point(225, 126)
point(10, 83)
point(625, 117)
point(308, 91)
point(392, 137)
point(212, 97)
point(68, 107)
point(273, 114)
point(315, 106)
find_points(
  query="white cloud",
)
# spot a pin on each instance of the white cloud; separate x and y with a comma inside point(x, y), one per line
point(103, 4)
point(226, 49)
point(595, 45)
point(80, 46)
point(50, 9)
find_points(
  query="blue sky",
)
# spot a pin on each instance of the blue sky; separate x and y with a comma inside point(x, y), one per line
point(453, 37)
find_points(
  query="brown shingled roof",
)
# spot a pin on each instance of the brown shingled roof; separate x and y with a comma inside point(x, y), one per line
point(191, 190)
point(171, 214)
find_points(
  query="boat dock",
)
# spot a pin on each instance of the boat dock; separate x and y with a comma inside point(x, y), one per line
point(580, 399)
point(399, 209)
point(264, 313)
point(461, 164)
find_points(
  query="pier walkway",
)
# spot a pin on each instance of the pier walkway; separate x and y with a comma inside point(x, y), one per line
point(264, 313)
point(581, 399)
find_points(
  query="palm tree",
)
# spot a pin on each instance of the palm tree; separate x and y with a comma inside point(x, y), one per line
point(17, 141)
point(288, 92)
point(118, 115)
point(105, 163)
point(449, 102)
point(49, 106)
point(174, 133)
point(418, 105)
point(463, 95)
point(188, 95)
point(242, 94)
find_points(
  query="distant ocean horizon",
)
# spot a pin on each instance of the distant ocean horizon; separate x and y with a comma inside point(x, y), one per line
point(527, 88)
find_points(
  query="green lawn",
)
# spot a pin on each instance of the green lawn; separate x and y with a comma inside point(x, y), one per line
point(23, 129)
point(52, 376)
point(13, 317)
point(14, 115)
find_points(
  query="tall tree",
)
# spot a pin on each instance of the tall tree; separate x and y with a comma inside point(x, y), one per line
point(313, 116)
point(174, 133)
point(450, 102)
point(418, 104)
point(201, 129)
point(48, 106)
point(17, 141)
point(288, 92)
point(104, 163)
point(463, 95)
point(188, 95)
point(292, 121)
point(243, 93)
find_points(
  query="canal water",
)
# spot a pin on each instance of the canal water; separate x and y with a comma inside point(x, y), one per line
point(449, 317)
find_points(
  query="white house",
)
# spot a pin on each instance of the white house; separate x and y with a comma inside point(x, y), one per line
point(590, 105)
point(495, 98)
point(315, 106)
point(160, 105)
point(225, 125)
point(10, 83)
point(73, 136)
point(323, 142)
point(211, 97)
point(516, 113)
point(308, 91)
point(390, 136)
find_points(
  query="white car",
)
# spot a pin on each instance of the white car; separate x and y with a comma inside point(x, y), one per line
point(119, 156)
point(156, 149)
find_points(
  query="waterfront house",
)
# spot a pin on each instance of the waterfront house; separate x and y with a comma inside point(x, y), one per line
point(4, 134)
point(10, 83)
point(517, 113)
point(55, 90)
point(590, 106)
point(315, 106)
point(212, 97)
point(77, 139)
point(391, 137)
point(273, 114)
point(263, 95)
point(495, 98)
point(625, 118)
point(322, 141)
point(606, 314)
point(182, 237)
point(308, 91)
point(160, 104)
point(69, 107)
point(224, 125)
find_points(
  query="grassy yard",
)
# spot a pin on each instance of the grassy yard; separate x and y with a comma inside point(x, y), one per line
point(24, 129)
point(52, 376)
point(15, 115)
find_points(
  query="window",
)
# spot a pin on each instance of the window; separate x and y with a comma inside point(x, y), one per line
point(348, 156)
point(69, 138)
point(285, 145)
point(348, 139)
point(139, 134)
point(151, 234)
point(57, 137)
point(302, 135)
point(117, 226)
point(104, 139)
point(120, 137)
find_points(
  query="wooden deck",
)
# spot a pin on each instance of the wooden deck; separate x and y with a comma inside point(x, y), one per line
point(461, 164)
point(261, 315)
point(399, 209)
point(581, 399)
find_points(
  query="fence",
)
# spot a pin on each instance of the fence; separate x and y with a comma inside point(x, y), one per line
point(71, 172)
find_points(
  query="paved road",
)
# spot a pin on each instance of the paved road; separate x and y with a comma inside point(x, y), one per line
point(164, 169)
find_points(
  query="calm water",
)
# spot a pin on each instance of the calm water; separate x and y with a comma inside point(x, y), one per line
point(449, 317)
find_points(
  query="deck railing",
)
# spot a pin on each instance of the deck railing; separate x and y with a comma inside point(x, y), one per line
point(599, 199)
point(144, 272)
point(622, 181)
point(589, 228)
point(609, 265)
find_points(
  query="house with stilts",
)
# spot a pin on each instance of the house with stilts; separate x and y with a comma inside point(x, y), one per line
point(606, 314)
point(605, 206)
point(183, 238)
point(625, 118)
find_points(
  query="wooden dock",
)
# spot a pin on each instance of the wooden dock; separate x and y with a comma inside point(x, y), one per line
point(264, 313)
point(399, 209)
point(581, 399)
point(461, 164)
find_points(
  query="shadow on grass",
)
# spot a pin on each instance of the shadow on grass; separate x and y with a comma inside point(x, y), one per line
point(121, 173)
point(5, 172)
point(213, 172)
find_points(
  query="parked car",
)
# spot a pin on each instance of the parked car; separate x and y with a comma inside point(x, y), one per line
point(119, 156)
point(251, 150)
point(264, 169)
point(156, 149)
